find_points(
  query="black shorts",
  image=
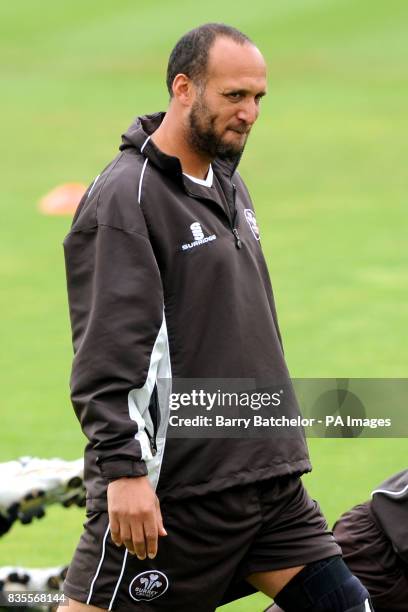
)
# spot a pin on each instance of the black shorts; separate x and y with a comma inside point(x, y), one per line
point(213, 543)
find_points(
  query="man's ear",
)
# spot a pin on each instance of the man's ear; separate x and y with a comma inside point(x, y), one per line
point(183, 89)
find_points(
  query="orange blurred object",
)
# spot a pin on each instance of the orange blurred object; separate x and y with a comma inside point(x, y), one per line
point(63, 200)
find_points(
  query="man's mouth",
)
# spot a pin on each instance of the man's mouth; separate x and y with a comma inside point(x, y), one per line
point(241, 131)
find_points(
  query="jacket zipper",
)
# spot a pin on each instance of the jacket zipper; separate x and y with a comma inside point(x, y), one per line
point(153, 445)
point(238, 242)
point(153, 409)
point(152, 442)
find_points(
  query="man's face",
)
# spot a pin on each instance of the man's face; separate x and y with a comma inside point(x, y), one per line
point(227, 105)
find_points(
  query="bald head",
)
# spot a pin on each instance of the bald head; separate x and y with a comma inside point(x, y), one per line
point(191, 53)
point(231, 64)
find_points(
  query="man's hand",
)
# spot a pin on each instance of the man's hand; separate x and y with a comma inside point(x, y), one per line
point(134, 516)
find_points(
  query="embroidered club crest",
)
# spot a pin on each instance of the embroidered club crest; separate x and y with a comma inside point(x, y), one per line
point(148, 585)
point(251, 220)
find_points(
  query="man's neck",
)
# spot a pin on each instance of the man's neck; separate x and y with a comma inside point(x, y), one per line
point(169, 138)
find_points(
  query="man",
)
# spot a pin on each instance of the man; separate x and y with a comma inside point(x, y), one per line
point(166, 279)
point(374, 540)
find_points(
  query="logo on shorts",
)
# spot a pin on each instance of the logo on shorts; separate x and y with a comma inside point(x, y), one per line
point(250, 217)
point(148, 585)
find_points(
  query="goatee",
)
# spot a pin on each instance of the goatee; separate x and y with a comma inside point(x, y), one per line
point(203, 137)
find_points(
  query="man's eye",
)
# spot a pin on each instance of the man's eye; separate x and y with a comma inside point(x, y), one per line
point(235, 95)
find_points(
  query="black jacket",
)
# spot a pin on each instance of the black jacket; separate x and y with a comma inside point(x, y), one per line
point(389, 505)
point(374, 540)
point(166, 280)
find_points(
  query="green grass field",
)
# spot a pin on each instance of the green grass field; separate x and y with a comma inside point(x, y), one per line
point(326, 166)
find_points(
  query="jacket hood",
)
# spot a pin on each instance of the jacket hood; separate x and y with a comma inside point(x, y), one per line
point(138, 137)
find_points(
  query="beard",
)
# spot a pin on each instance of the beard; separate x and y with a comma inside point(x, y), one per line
point(204, 138)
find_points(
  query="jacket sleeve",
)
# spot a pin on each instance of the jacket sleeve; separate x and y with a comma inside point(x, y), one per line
point(116, 310)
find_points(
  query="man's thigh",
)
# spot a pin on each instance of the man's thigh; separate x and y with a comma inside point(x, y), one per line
point(272, 582)
point(293, 532)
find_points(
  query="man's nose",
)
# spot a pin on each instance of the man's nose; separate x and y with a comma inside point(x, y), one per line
point(248, 112)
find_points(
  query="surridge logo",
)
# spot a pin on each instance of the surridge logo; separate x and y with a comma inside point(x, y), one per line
point(199, 237)
point(148, 585)
point(197, 230)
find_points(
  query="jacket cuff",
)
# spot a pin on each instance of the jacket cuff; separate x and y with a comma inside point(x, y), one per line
point(113, 470)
